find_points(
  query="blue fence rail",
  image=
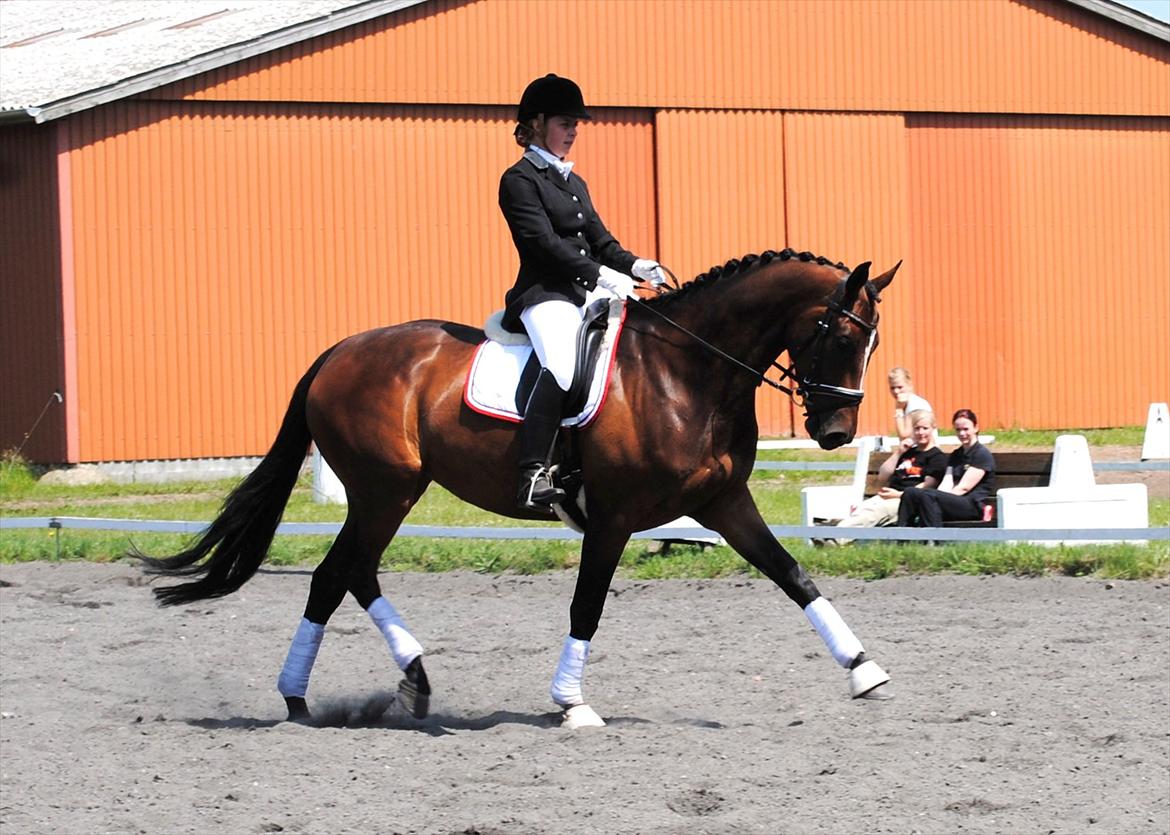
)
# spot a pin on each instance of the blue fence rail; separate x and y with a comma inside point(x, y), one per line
point(847, 466)
point(685, 533)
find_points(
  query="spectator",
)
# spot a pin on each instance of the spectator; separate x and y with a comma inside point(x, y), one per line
point(905, 401)
point(917, 464)
point(969, 479)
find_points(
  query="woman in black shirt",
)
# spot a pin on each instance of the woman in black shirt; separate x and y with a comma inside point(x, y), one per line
point(969, 479)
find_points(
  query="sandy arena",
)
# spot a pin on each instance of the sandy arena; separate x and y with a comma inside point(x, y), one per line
point(1023, 706)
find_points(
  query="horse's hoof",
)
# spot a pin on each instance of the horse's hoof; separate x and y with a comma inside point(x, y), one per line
point(581, 716)
point(881, 693)
point(298, 711)
point(414, 691)
point(866, 679)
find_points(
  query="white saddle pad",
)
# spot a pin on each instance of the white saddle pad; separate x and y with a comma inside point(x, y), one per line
point(495, 374)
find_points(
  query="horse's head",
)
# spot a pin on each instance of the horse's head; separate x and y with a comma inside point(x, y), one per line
point(833, 343)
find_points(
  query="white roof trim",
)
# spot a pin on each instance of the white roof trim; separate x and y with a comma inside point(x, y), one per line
point(1126, 16)
point(358, 13)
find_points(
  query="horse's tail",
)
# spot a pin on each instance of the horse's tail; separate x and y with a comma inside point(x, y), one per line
point(236, 543)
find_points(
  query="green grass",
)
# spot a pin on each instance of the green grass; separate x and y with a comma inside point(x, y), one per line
point(1118, 436)
point(776, 493)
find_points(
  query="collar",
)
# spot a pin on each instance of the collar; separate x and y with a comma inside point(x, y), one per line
point(548, 158)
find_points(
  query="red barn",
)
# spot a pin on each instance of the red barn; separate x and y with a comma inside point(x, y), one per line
point(196, 199)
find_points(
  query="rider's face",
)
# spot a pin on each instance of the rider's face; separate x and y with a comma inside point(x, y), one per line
point(556, 134)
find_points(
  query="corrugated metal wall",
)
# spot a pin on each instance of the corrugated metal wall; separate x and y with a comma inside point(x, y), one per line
point(994, 56)
point(214, 246)
point(720, 197)
point(1046, 298)
point(220, 248)
point(848, 199)
point(31, 330)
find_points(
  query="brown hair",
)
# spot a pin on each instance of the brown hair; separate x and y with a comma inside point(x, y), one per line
point(966, 413)
point(524, 134)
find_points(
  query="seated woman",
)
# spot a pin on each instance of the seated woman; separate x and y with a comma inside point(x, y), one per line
point(916, 464)
point(969, 479)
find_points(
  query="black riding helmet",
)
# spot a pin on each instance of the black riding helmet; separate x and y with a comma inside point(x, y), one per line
point(552, 96)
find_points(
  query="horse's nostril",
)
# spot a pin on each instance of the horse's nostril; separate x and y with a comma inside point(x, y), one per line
point(832, 440)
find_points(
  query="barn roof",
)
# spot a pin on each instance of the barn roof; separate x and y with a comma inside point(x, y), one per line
point(61, 56)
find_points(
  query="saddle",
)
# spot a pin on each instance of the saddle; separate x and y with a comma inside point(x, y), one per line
point(589, 340)
point(505, 369)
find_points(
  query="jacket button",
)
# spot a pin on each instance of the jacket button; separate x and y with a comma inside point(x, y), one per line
point(579, 215)
point(580, 234)
point(582, 252)
point(575, 200)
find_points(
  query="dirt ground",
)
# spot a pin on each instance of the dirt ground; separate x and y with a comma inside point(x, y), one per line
point(1023, 706)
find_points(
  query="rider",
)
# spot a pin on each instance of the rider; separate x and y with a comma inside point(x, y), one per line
point(568, 259)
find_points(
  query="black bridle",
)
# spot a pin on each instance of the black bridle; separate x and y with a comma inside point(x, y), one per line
point(808, 390)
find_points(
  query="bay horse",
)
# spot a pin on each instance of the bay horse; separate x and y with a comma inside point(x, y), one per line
point(677, 436)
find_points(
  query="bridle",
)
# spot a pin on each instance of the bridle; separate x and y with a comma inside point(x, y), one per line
point(809, 391)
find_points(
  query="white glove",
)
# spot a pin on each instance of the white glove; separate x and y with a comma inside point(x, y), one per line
point(648, 270)
point(620, 284)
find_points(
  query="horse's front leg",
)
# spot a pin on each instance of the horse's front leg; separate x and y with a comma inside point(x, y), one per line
point(737, 519)
point(601, 550)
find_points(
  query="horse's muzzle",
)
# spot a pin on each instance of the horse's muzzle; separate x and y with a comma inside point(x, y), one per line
point(832, 429)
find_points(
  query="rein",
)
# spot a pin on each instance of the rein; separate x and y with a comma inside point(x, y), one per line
point(806, 387)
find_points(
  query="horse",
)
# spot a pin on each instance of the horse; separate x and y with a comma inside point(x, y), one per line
point(677, 436)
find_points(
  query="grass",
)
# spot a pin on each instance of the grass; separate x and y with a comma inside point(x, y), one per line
point(776, 492)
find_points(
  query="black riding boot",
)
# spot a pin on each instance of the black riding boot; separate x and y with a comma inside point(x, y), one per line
point(542, 417)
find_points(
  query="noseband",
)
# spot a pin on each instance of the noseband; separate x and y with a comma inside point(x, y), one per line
point(809, 391)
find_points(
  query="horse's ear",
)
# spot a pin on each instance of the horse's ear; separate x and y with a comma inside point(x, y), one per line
point(883, 280)
point(856, 281)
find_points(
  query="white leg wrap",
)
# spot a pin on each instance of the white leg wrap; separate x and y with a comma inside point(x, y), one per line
point(294, 676)
point(566, 684)
point(838, 637)
point(402, 644)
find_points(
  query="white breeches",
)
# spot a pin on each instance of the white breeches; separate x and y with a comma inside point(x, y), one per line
point(552, 326)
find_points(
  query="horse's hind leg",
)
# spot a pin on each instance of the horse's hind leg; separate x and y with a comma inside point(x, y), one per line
point(738, 520)
point(352, 565)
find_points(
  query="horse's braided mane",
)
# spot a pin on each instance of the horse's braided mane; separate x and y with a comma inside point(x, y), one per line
point(740, 265)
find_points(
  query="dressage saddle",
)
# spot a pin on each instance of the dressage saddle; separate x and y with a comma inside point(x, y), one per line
point(589, 339)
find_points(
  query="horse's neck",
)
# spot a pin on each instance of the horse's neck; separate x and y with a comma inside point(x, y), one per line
point(749, 318)
point(745, 321)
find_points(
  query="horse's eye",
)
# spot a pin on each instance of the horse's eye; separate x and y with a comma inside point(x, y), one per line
point(844, 343)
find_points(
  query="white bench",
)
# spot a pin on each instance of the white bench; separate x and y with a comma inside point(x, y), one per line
point(1072, 499)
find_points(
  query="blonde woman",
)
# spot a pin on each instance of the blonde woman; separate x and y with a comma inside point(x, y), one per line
point(905, 400)
point(917, 463)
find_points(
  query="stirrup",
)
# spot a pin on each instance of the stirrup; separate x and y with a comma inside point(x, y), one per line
point(537, 492)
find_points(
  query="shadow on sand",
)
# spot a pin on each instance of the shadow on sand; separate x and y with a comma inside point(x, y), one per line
point(375, 712)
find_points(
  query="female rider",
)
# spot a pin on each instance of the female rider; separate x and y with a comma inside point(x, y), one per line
point(567, 260)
